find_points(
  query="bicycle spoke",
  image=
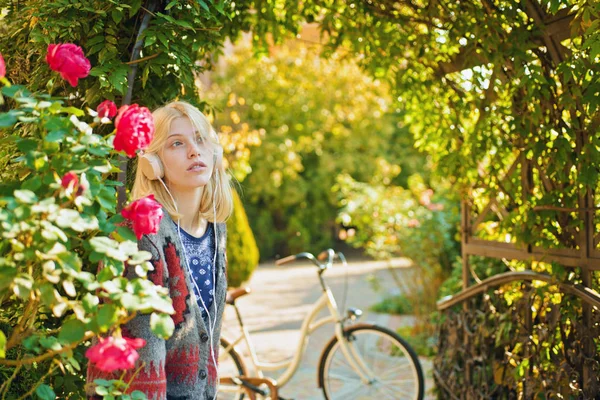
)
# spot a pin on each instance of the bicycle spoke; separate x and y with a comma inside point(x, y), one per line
point(396, 375)
point(348, 390)
point(389, 374)
point(339, 377)
point(395, 393)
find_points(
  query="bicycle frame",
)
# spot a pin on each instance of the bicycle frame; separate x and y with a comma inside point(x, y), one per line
point(309, 325)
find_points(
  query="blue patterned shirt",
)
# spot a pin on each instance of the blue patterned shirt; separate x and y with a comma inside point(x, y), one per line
point(200, 255)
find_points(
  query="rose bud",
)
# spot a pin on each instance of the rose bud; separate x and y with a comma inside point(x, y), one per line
point(107, 109)
point(2, 67)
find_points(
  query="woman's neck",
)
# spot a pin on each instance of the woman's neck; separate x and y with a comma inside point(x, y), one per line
point(188, 204)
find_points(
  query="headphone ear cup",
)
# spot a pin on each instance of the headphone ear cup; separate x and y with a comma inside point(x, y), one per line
point(151, 166)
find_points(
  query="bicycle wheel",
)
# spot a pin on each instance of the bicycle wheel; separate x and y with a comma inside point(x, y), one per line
point(396, 370)
point(230, 364)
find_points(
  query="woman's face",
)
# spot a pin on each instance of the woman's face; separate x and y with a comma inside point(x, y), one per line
point(188, 160)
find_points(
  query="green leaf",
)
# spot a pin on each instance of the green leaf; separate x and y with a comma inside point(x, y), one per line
point(135, 7)
point(26, 145)
point(204, 5)
point(107, 316)
point(2, 345)
point(72, 331)
point(55, 136)
point(50, 343)
point(32, 184)
point(126, 233)
point(25, 196)
point(137, 395)
point(116, 15)
point(22, 286)
point(7, 275)
point(74, 110)
point(68, 218)
point(118, 78)
point(171, 4)
point(162, 325)
point(90, 302)
point(8, 119)
point(102, 382)
point(45, 392)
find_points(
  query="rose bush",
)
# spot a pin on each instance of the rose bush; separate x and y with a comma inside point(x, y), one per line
point(59, 223)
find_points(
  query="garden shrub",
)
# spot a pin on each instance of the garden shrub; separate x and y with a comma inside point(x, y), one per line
point(242, 251)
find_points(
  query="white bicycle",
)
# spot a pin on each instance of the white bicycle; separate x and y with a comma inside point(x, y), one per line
point(361, 361)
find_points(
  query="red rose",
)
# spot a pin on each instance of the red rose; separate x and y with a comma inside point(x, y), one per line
point(69, 60)
point(2, 67)
point(70, 181)
point(135, 129)
point(115, 353)
point(107, 109)
point(145, 214)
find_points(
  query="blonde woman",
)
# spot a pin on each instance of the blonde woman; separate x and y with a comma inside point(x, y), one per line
point(184, 171)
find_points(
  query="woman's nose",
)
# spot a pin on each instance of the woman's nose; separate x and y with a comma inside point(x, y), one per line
point(194, 150)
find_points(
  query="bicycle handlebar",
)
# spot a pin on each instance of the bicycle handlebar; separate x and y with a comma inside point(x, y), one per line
point(326, 255)
point(285, 260)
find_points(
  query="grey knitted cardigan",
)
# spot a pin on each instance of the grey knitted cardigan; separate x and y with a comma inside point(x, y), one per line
point(180, 367)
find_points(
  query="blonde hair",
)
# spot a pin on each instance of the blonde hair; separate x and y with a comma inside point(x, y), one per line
point(219, 181)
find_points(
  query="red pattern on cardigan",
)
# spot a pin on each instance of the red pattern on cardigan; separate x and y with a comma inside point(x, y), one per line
point(177, 285)
point(182, 365)
point(150, 379)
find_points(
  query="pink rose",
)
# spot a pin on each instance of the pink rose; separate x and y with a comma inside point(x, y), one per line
point(145, 214)
point(71, 181)
point(2, 67)
point(436, 206)
point(135, 129)
point(69, 60)
point(115, 353)
point(426, 197)
point(413, 223)
point(107, 109)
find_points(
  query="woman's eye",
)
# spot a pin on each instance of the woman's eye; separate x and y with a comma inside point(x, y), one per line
point(176, 143)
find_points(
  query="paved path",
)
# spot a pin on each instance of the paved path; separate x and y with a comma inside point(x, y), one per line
point(281, 298)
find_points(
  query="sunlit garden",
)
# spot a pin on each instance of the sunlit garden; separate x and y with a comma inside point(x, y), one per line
point(462, 137)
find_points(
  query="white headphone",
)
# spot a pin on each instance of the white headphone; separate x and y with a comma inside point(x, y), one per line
point(153, 169)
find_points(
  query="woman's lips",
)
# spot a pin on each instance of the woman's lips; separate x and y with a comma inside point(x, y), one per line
point(197, 166)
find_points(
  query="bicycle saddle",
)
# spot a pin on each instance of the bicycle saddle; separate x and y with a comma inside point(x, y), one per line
point(232, 295)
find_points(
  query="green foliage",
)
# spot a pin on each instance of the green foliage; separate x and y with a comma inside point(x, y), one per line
point(178, 40)
point(398, 305)
point(421, 342)
point(53, 299)
point(308, 136)
point(242, 252)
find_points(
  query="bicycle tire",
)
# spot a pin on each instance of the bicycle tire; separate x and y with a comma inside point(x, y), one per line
point(358, 332)
point(238, 366)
